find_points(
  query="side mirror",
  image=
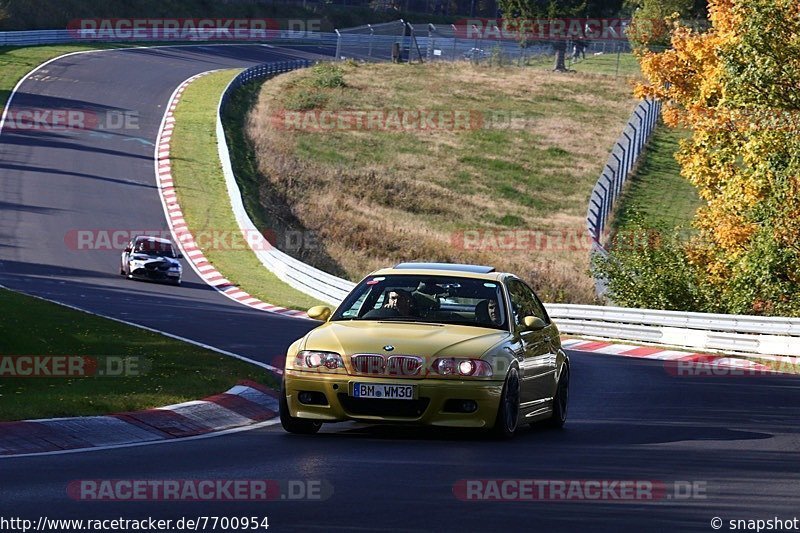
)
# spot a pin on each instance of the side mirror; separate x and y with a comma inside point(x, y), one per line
point(180, 256)
point(320, 312)
point(128, 249)
point(534, 323)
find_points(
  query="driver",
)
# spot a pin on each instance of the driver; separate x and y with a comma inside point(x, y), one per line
point(400, 301)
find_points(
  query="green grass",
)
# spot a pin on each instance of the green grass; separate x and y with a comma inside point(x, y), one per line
point(657, 192)
point(204, 198)
point(609, 64)
point(378, 197)
point(171, 371)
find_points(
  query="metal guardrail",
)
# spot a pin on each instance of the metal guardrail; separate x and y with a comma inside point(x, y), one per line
point(704, 331)
point(295, 273)
point(738, 333)
point(371, 42)
point(624, 155)
point(36, 37)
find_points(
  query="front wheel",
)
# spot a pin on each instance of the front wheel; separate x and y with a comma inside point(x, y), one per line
point(508, 412)
point(560, 400)
point(295, 425)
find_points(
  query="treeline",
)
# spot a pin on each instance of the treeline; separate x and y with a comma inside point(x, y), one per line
point(57, 14)
point(735, 87)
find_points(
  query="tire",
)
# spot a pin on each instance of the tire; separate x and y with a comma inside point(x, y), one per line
point(291, 424)
point(560, 401)
point(505, 424)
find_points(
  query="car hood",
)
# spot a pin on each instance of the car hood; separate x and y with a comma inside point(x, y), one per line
point(154, 258)
point(425, 340)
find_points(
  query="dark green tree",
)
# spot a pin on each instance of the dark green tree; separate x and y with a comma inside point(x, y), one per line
point(530, 10)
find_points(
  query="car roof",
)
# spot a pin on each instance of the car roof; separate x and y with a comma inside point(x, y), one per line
point(480, 269)
point(442, 269)
point(154, 239)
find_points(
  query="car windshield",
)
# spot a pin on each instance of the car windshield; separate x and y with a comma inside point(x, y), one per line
point(161, 249)
point(434, 299)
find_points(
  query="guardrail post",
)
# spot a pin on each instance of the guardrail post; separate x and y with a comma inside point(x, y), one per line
point(649, 116)
point(631, 156)
point(638, 132)
point(655, 115)
point(617, 175)
point(623, 163)
point(338, 45)
point(606, 202)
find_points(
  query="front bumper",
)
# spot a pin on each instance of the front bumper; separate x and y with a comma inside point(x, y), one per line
point(156, 274)
point(428, 409)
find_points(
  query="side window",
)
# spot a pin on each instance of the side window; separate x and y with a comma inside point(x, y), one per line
point(524, 302)
point(538, 307)
point(521, 301)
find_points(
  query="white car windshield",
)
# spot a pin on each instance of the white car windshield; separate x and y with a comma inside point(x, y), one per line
point(434, 299)
point(157, 248)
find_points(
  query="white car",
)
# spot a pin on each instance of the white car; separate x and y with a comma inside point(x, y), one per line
point(151, 258)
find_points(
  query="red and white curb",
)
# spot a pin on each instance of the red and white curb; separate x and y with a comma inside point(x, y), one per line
point(243, 405)
point(180, 231)
point(663, 354)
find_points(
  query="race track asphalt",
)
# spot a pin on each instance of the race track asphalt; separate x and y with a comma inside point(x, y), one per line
point(736, 439)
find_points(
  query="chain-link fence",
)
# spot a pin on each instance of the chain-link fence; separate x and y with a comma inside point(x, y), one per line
point(402, 41)
point(372, 42)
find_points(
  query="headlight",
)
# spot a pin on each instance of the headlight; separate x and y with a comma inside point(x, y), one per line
point(176, 268)
point(315, 359)
point(462, 367)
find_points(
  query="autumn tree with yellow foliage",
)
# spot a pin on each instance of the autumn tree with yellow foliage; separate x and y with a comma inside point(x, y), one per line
point(737, 87)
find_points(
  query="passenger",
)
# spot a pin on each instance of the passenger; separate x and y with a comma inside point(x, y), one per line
point(488, 312)
point(494, 312)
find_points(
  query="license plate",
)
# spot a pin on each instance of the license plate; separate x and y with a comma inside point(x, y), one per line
point(384, 391)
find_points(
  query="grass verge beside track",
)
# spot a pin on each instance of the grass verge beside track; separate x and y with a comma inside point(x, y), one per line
point(657, 192)
point(509, 189)
point(204, 199)
point(169, 371)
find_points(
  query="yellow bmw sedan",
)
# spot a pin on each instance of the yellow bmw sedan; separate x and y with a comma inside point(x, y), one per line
point(429, 343)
